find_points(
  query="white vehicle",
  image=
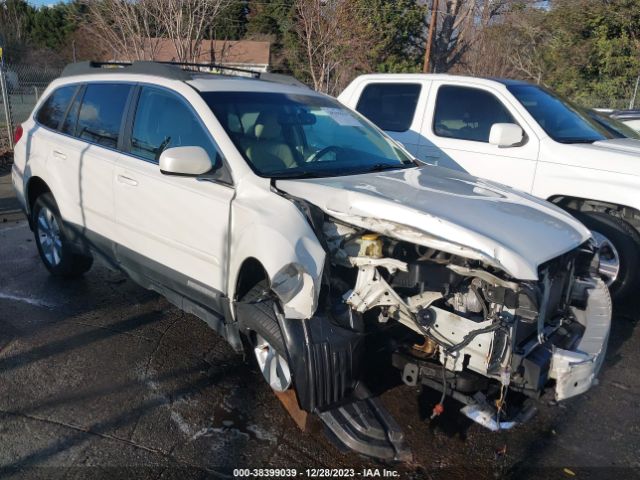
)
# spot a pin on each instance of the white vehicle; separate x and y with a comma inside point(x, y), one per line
point(289, 222)
point(630, 118)
point(523, 136)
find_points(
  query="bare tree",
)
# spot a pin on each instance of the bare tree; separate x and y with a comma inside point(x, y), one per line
point(14, 21)
point(125, 27)
point(461, 25)
point(528, 39)
point(135, 29)
point(186, 22)
point(334, 40)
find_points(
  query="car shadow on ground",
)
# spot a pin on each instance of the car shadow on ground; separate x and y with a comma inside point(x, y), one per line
point(83, 339)
point(196, 405)
point(103, 429)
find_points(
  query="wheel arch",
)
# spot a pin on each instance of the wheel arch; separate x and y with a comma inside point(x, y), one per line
point(36, 186)
point(251, 272)
point(569, 203)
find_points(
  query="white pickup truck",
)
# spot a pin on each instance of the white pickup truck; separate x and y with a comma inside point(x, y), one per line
point(524, 136)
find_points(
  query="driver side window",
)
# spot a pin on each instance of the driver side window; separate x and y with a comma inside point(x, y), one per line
point(162, 120)
point(467, 113)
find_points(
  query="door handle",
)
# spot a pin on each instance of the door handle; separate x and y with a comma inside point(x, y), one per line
point(59, 155)
point(127, 180)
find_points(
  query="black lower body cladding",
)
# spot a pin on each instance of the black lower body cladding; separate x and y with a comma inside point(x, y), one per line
point(327, 360)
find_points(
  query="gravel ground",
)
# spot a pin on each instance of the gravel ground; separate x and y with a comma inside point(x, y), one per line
point(100, 378)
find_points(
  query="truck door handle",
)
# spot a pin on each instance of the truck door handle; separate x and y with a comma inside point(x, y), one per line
point(59, 155)
point(127, 180)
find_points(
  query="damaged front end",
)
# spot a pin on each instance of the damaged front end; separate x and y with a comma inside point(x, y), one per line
point(443, 316)
point(460, 326)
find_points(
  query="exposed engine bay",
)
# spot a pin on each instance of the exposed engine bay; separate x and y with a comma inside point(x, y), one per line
point(466, 328)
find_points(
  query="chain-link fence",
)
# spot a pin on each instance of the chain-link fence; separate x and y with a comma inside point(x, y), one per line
point(21, 86)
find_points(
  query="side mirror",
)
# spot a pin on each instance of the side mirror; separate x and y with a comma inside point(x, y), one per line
point(506, 134)
point(185, 161)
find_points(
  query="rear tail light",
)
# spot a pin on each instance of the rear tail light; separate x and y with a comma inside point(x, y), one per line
point(17, 135)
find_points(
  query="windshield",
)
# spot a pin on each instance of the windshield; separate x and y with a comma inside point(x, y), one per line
point(560, 119)
point(290, 135)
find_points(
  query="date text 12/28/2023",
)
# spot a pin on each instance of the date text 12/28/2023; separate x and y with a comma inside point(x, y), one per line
point(315, 473)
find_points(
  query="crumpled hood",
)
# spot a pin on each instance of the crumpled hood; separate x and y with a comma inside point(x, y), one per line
point(450, 211)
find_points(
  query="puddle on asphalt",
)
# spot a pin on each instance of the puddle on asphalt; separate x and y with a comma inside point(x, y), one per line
point(227, 420)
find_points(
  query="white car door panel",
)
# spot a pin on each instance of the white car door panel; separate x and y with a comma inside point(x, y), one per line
point(88, 172)
point(82, 158)
point(455, 134)
point(178, 222)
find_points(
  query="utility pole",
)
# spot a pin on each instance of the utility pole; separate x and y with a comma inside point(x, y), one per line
point(632, 103)
point(433, 24)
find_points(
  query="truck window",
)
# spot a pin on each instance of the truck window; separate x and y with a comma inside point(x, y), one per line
point(467, 113)
point(391, 106)
point(562, 121)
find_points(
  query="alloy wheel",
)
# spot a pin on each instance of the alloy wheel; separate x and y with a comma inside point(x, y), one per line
point(274, 367)
point(609, 258)
point(49, 236)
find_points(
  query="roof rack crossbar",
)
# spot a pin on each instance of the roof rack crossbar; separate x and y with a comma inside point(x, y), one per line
point(169, 69)
point(212, 66)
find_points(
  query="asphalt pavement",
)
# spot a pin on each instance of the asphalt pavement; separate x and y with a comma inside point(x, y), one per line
point(100, 378)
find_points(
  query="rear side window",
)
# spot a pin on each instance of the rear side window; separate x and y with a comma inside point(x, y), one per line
point(467, 113)
point(54, 108)
point(163, 120)
point(101, 113)
point(71, 120)
point(391, 106)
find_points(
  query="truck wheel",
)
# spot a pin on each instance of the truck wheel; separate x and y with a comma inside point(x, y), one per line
point(265, 338)
point(619, 247)
point(55, 251)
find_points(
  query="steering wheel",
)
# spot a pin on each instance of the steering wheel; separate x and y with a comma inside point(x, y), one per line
point(321, 153)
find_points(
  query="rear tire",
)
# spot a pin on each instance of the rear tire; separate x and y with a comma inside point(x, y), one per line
point(614, 232)
point(55, 250)
point(265, 338)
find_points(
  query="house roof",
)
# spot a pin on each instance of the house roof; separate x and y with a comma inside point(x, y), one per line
point(229, 52)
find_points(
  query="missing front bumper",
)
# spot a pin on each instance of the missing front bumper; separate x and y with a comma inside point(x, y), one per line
point(575, 370)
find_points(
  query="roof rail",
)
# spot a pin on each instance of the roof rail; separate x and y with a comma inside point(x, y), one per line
point(173, 70)
point(141, 67)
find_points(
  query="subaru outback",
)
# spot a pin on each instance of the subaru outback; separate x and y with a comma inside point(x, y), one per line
point(300, 232)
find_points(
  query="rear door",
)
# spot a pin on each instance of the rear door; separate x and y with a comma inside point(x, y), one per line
point(48, 143)
point(84, 155)
point(172, 229)
point(392, 106)
point(98, 130)
point(455, 134)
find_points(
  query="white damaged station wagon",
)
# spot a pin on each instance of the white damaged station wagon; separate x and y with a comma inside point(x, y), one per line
point(298, 230)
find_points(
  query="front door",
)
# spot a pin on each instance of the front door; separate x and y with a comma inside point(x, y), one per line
point(172, 228)
point(456, 129)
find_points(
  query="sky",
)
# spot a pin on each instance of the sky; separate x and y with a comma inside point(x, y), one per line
point(40, 3)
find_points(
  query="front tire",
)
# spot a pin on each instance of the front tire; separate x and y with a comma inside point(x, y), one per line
point(265, 338)
point(54, 248)
point(619, 248)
